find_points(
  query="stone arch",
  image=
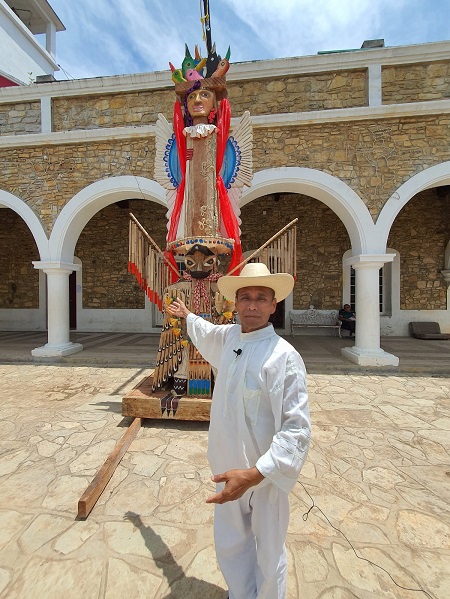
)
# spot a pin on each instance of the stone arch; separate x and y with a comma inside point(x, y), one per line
point(32, 221)
point(433, 176)
point(333, 192)
point(87, 202)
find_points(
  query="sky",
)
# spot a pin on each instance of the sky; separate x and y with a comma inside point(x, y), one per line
point(116, 37)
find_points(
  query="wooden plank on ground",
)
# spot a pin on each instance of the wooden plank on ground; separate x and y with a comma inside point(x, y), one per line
point(95, 489)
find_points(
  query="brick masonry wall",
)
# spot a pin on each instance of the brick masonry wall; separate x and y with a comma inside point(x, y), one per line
point(321, 242)
point(19, 283)
point(103, 250)
point(420, 234)
point(20, 118)
point(416, 83)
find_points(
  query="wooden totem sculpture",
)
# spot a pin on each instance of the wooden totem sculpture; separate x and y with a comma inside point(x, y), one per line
point(203, 169)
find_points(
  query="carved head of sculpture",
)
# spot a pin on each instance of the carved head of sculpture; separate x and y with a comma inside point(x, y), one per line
point(200, 262)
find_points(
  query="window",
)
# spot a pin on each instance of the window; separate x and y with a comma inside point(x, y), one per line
point(384, 286)
point(352, 288)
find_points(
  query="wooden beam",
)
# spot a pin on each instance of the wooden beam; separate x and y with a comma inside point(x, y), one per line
point(97, 486)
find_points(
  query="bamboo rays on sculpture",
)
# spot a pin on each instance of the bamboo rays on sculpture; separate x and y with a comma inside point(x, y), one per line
point(147, 262)
point(170, 350)
point(199, 381)
point(278, 253)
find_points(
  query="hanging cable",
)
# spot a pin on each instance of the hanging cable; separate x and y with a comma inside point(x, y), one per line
point(68, 75)
point(305, 517)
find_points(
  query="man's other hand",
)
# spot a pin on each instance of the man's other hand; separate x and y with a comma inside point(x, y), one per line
point(237, 482)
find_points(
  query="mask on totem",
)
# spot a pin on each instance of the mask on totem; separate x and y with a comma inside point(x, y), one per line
point(200, 262)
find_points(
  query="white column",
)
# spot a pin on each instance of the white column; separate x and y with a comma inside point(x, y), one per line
point(59, 343)
point(50, 38)
point(46, 114)
point(367, 350)
point(375, 85)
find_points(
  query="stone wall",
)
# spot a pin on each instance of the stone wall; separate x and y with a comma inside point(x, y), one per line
point(19, 282)
point(301, 93)
point(20, 118)
point(416, 83)
point(373, 157)
point(103, 250)
point(420, 234)
point(111, 110)
point(48, 177)
point(321, 243)
point(322, 91)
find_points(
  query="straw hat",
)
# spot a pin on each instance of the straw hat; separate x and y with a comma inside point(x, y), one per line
point(256, 274)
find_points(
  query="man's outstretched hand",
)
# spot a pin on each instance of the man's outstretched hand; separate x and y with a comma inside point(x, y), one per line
point(237, 482)
point(177, 308)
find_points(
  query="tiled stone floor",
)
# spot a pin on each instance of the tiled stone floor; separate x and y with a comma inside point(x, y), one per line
point(321, 353)
point(378, 468)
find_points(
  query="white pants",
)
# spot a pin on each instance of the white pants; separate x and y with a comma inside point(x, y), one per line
point(249, 536)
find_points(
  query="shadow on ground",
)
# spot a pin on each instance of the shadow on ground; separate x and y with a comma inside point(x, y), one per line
point(181, 586)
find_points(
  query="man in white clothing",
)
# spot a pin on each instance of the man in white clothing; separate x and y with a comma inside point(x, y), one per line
point(259, 431)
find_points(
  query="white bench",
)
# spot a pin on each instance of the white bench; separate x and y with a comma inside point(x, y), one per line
point(312, 318)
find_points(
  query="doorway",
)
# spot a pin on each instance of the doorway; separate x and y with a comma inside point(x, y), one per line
point(277, 318)
point(73, 300)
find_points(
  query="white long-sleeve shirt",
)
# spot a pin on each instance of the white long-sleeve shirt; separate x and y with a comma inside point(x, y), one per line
point(259, 413)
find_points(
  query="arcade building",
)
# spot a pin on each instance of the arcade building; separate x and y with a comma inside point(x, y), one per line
point(356, 145)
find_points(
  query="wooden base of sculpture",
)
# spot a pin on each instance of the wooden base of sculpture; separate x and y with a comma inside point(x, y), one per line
point(142, 402)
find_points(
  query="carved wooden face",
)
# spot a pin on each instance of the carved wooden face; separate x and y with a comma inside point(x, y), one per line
point(200, 102)
point(200, 265)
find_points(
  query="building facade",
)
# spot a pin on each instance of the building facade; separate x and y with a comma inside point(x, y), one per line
point(356, 145)
point(23, 59)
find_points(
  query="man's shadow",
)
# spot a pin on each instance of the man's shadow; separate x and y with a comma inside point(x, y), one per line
point(181, 586)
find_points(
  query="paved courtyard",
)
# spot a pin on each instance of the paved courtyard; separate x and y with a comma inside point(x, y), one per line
point(378, 469)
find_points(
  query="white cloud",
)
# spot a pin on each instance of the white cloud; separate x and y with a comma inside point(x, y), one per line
point(109, 37)
point(295, 27)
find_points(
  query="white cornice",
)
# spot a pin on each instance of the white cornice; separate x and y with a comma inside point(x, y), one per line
point(258, 69)
point(333, 61)
point(364, 113)
point(265, 121)
point(76, 137)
